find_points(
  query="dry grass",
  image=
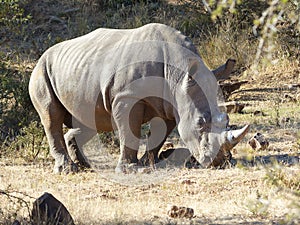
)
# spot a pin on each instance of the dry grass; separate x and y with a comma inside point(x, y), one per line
point(217, 196)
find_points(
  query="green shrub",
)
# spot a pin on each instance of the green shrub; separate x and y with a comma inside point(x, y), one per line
point(284, 179)
point(11, 18)
point(16, 109)
point(30, 144)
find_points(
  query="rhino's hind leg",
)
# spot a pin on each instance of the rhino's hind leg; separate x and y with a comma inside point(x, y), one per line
point(75, 139)
point(52, 122)
point(52, 113)
point(63, 163)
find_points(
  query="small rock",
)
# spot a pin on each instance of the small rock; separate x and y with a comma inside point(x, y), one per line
point(258, 142)
point(48, 210)
point(180, 212)
point(145, 170)
point(290, 98)
point(187, 181)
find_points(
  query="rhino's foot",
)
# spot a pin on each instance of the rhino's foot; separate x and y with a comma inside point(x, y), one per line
point(128, 168)
point(83, 164)
point(134, 168)
point(76, 155)
point(229, 164)
point(65, 168)
point(148, 160)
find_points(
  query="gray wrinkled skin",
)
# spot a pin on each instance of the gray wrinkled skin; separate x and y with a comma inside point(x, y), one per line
point(119, 79)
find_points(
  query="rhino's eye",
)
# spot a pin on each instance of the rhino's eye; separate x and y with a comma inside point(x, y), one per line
point(201, 121)
point(191, 81)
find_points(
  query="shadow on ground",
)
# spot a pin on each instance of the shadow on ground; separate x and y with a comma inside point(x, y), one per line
point(266, 160)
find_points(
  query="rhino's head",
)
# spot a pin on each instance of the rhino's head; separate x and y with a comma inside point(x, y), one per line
point(201, 125)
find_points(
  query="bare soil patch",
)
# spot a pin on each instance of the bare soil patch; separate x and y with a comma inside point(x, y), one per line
point(240, 195)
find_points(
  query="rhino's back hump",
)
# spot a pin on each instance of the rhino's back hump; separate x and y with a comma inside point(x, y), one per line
point(102, 50)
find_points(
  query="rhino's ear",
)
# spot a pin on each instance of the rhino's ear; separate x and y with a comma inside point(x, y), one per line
point(223, 72)
point(194, 66)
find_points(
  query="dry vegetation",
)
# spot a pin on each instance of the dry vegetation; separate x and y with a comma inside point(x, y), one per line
point(245, 195)
point(263, 188)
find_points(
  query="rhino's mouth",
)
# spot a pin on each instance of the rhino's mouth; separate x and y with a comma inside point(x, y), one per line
point(215, 148)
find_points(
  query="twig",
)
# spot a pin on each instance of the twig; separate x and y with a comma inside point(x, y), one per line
point(10, 197)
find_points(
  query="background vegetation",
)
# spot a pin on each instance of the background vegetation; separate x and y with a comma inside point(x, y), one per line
point(244, 30)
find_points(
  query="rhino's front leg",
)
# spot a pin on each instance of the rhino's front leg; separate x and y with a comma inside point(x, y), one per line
point(128, 117)
point(157, 136)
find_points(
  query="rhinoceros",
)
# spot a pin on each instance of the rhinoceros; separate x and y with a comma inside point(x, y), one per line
point(119, 79)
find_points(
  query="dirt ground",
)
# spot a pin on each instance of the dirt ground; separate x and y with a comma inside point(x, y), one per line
point(231, 196)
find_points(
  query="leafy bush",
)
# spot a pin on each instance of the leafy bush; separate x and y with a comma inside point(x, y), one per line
point(287, 182)
point(15, 106)
point(110, 141)
point(11, 18)
point(30, 144)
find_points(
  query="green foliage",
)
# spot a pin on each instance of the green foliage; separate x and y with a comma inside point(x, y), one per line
point(11, 17)
point(29, 144)
point(282, 182)
point(15, 106)
point(273, 25)
point(110, 141)
point(16, 110)
point(259, 206)
point(287, 182)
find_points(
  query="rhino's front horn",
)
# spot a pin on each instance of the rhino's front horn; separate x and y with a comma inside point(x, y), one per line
point(233, 137)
